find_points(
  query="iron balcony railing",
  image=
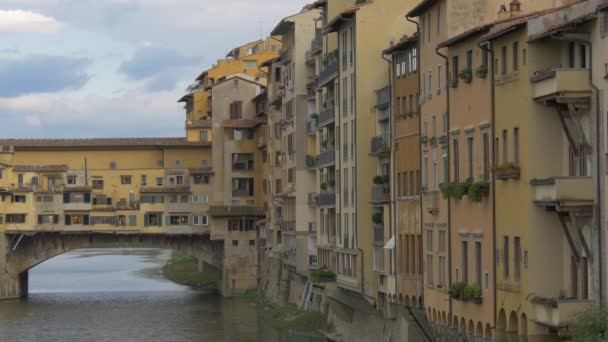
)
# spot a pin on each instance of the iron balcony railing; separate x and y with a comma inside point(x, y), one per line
point(381, 144)
point(327, 198)
point(329, 72)
point(383, 97)
point(327, 116)
point(327, 157)
point(378, 234)
point(380, 193)
point(315, 44)
point(311, 126)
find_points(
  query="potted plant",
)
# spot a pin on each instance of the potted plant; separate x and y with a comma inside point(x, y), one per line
point(473, 292)
point(456, 290)
point(478, 189)
point(447, 190)
point(377, 180)
point(314, 116)
point(377, 217)
point(323, 186)
point(507, 171)
point(331, 183)
point(482, 71)
point(385, 179)
point(453, 83)
point(322, 275)
point(466, 75)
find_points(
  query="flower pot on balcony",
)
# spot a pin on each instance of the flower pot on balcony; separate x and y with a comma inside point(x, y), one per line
point(508, 171)
point(466, 75)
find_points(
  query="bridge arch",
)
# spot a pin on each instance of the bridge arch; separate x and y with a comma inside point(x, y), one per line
point(20, 252)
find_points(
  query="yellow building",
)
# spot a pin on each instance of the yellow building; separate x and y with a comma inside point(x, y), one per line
point(547, 269)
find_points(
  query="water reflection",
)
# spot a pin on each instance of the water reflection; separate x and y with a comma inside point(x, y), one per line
point(120, 295)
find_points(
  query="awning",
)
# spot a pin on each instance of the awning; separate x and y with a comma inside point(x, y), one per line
point(390, 244)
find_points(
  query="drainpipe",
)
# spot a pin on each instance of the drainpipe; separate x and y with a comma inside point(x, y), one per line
point(447, 144)
point(598, 189)
point(392, 210)
point(419, 181)
point(487, 47)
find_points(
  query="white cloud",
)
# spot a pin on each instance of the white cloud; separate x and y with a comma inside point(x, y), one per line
point(33, 120)
point(19, 21)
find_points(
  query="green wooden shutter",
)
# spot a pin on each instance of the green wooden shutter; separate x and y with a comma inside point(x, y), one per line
point(85, 220)
point(68, 220)
point(66, 197)
point(39, 219)
point(146, 220)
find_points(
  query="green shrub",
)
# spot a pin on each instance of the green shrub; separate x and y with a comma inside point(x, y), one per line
point(456, 290)
point(378, 180)
point(323, 186)
point(331, 183)
point(386, 179)
point(478, 189)
point(322, 275)
point(447, 190)
point(472, 291)
point(590, 325)
point(466, 74)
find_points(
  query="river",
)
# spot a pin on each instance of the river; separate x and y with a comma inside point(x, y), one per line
point(121, 295)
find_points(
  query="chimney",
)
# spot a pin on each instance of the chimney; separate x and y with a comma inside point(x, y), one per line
point(514, 8)
point(502, 12)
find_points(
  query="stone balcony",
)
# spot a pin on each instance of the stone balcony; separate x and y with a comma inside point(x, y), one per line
point(559, 312)
point(328, 72)
point(563, 192)
point(571, 83)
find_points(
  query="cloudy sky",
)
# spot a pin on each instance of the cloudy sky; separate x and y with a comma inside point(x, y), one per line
point(108, 68)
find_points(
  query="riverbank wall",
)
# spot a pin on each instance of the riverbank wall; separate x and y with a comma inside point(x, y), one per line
point(347, 315)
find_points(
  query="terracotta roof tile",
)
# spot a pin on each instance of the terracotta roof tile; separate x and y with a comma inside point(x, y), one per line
point(100, 142)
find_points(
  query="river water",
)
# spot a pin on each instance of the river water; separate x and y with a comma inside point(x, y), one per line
point(120, 295)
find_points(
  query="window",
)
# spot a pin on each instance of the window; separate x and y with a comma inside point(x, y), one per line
point(48, 219)
point(235, 242)
point(15, 218)
point(200, 179)
point(175, 220)
point(242, 161)
point(344, 48)
point(438, 19)
point(72, 180)
point(414, 60)
point(429, 256)
point(178, 163)
point(352, 44)
point(204, 135)
point(152, 199)
point(144, 180)
point(277, 74)
point(438, 79)
point(464, 261)
point(583, 56)
point(470, 156)
point(125, 180)
point(470, 59)
point(153, 220)
point(45, 199)
point(454, 79)
point(1, 173)
point(344, 95)
point(200, 220)
point(484, 57)
point(503, 54)
point(97, 184)
point(241, 225)
point(571, 55)
point(132, 220)
point(159, 181)
point(515, 56)
point(200, 199)
point(242, 187)
point(517, 258)
point(240, 134)
point(19, 198)
point(478, 270)
point(77, 219)
point(236, 110)
point(102, 201)
point(442, 258)
point(486, 155)
point(110, 220)
point(446, 166)
point(516, 145)
point(456, 159)
point(505, 257)
point(505, 158)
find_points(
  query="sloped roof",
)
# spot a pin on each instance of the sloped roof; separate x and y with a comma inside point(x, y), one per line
point(100, 142)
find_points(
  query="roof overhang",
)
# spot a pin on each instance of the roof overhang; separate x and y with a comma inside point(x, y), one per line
point(282, 27)
point(420, 8)
point(465, 35)
point(403, 44)
point(186, 98)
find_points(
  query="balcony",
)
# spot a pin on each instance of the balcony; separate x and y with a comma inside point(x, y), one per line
point(557, 313)
point(381, 145)
point(330, 69)
point(327, 199)
point(313, 199)
point(327, 157)
point(559, 192)
point(327, 116)
point(378, 234)
point(383, 97)
point(241, 193)
point(310, 57)
point(312, 162)
point(382, 114)
point(288, 226)
point(561, 83)
point(430, 201)
point(380, 194)
point(311, 126)
point(316, 43)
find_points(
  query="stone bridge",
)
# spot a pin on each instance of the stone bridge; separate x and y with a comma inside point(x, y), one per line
point(22, 250)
